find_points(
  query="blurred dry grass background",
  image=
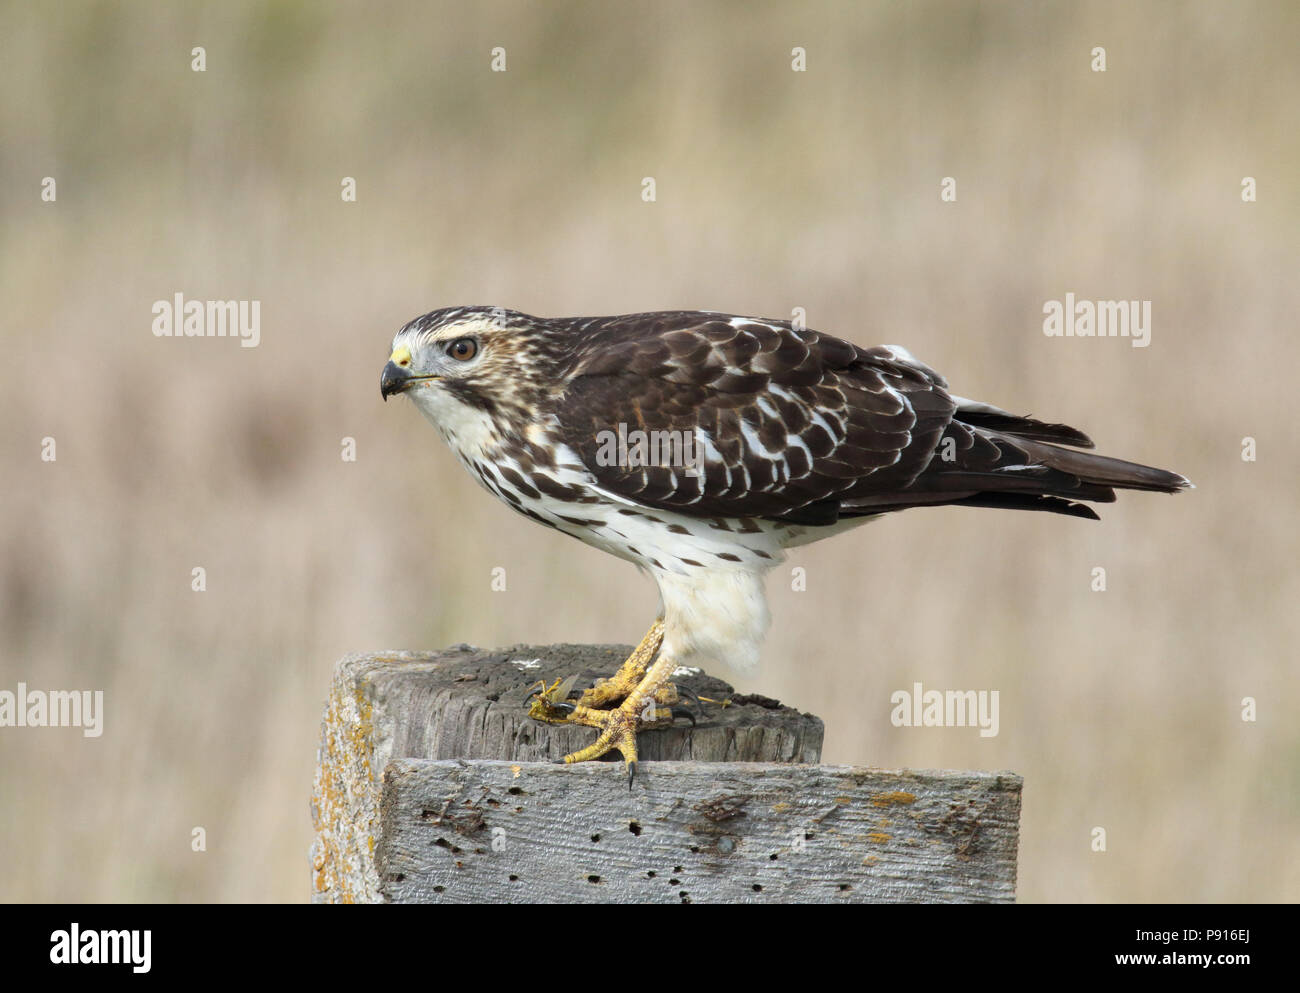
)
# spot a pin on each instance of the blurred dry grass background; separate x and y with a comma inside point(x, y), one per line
point(775, 190)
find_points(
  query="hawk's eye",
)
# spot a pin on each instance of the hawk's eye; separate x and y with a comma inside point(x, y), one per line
point(463, 349)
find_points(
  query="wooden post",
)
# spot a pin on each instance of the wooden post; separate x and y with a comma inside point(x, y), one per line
point(432, 784)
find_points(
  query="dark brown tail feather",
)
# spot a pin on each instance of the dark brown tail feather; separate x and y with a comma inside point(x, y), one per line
point(1105, 471)
point(1002, 501)
point(992, 419)
point(1038, 476)
point(1041, 442)
point(1020, 501)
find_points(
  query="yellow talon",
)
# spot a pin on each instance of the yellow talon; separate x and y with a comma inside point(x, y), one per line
point(618, 729)
point(641, 683)
point(630, 673)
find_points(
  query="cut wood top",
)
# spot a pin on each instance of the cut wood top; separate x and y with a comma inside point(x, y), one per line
point(469, 703)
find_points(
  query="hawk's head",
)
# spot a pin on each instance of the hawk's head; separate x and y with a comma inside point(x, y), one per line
point(467, 362)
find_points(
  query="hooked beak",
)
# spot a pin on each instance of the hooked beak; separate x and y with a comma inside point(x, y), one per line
point(394, 380)
point(397, 376)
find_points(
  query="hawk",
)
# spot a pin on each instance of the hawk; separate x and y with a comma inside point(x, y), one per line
point(768, 436)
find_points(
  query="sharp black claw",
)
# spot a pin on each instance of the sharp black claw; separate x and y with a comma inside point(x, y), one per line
point(690, 695)
point(699, 704)
point(631, 775)
point(684, 712)
point(563, 706)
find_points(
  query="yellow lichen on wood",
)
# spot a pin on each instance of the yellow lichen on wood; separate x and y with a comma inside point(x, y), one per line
point(345, 771)
point(891, 798)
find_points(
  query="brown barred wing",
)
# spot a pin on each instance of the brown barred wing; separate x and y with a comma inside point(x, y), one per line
point(723, 417)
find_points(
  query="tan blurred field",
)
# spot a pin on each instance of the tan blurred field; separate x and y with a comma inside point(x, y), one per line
point(776, 190)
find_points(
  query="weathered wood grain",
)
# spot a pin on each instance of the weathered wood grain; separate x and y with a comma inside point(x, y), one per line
point(468, 703)
point(483, 831)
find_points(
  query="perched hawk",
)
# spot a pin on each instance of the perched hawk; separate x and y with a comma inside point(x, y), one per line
point(700, 446)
